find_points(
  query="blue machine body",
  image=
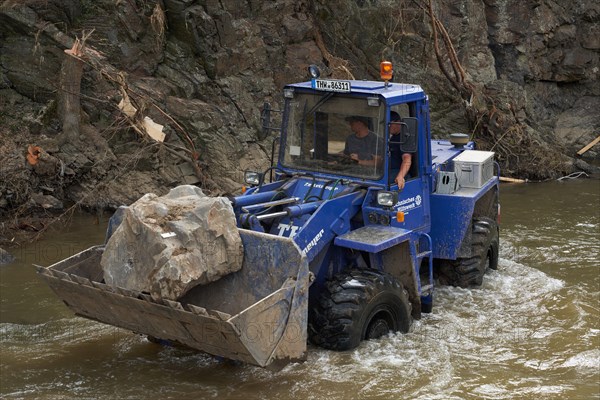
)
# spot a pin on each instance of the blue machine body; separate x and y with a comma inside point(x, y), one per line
point(332, 212)
point(333, 205)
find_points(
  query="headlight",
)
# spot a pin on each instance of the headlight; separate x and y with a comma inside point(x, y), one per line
point(252, 178)
point(387, 199)
point(373, 218)
point(384, 219)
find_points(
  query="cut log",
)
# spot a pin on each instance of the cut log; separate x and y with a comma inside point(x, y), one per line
point(70, 91)
point(512, 180)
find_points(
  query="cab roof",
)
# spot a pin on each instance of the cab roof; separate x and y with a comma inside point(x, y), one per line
point(394, 92)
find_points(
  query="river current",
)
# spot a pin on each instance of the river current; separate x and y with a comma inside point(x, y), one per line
point(532, 331)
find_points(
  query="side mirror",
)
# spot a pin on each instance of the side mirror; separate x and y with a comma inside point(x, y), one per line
point(408, 135)
point(265, 121)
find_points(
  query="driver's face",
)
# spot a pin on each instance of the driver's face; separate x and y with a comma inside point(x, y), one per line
point(355, 126)
point(359, 128)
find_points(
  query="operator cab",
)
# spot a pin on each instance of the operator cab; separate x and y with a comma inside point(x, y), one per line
point(321, 135)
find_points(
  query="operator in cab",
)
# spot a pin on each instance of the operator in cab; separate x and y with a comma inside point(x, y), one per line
point(399, 160)
point(363, 146)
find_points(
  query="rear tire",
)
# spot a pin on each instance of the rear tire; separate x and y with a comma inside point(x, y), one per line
point(469, 271)
point(358, 305)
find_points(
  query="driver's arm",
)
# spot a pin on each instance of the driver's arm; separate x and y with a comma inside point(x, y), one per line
point(404, 167)
point(375, 161)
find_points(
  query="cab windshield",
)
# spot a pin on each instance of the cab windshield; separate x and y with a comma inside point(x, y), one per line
point(334, 133)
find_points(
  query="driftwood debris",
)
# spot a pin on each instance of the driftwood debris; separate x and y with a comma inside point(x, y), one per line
point(82, 54)
point(494, 122)
point(512, 180)
point(588, 146)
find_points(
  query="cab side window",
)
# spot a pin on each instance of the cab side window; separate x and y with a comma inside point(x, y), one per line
point(403, 110)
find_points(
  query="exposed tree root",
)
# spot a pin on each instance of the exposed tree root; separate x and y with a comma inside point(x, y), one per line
point(494, 124)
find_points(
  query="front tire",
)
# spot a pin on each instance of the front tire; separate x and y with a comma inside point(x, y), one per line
point(358, 305)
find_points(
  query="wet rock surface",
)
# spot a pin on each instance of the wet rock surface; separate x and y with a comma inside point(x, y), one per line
point(5, 257)
point(167, 245)
point(46, 201)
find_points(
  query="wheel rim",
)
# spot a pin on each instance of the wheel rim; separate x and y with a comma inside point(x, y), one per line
point(379, 325)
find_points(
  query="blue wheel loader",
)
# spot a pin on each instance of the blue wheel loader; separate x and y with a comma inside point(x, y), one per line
point(335, 252)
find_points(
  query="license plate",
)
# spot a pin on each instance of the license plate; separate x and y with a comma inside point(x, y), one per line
point(331, 85)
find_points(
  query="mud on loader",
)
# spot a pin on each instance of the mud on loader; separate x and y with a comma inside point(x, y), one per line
point(333, 251)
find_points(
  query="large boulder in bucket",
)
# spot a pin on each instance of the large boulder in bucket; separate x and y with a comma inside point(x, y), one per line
point(167, 245)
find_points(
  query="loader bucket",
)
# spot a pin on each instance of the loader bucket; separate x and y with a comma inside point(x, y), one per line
point(257, 315)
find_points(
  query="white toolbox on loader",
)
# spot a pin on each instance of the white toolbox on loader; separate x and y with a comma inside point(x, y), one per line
point(473, 168)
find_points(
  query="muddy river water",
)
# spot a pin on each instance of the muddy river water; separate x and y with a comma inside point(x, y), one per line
point(532, 331)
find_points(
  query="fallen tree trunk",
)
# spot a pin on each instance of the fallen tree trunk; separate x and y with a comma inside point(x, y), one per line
point(69, 94)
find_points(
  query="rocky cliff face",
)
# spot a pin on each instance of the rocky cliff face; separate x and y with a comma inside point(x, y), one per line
point(550, 50)
point(534, 64)
point(202, 68)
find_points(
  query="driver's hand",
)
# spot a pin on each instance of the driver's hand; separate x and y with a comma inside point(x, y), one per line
point(354, 156)
point(400, 181)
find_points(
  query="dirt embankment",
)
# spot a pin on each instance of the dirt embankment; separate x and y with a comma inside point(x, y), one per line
point(519, 76)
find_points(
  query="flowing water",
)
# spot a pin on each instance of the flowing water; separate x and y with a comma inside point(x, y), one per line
point(531, 331)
